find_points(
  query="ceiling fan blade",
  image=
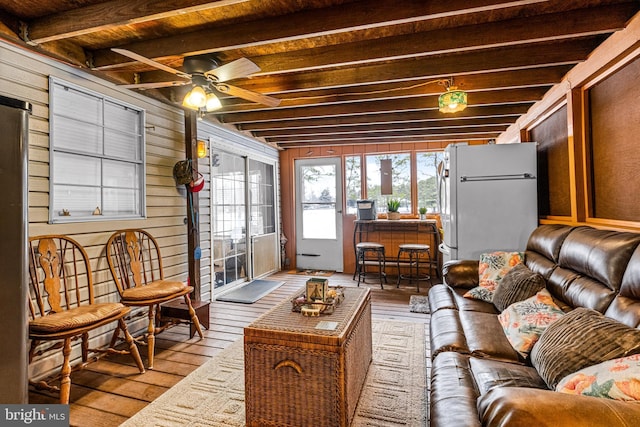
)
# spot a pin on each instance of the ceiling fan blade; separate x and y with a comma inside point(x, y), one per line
point(154, 85)
point(248, 95)
point(150, 62)
point(237, 69)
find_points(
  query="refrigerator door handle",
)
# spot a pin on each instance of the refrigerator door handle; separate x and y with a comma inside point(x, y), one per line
point(444, 249)
point(525, 175)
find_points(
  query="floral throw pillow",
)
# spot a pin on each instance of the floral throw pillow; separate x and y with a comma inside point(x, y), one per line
point(523, 322)
point(492, 268)
point(617, 379)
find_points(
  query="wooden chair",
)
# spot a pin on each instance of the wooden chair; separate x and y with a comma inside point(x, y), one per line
point(136, 266)
point(62, 307)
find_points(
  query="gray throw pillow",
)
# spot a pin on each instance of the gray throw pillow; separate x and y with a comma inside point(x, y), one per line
point(517, 285)
point(581, 338)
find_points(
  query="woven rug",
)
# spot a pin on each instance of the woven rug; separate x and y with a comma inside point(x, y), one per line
point(395, 391)
point(419, 304)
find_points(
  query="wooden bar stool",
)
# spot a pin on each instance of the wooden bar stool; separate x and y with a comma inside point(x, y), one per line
point(414, 251)
point(375, 251)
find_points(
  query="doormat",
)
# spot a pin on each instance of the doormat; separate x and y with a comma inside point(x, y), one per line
point(419, 304)
point(394, 393)
point(250, 292)
point(321, 273)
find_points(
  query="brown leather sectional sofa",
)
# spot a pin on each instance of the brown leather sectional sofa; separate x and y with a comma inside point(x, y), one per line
point(478, 379)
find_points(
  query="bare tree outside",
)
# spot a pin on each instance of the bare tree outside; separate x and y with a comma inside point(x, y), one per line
point(427, 166)
point(401, 180)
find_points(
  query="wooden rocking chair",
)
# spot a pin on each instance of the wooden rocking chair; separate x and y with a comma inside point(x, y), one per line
point(62, 307)
point(136, 266)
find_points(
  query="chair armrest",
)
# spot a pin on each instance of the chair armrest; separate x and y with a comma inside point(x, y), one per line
point(461, 273)
point(525, 407)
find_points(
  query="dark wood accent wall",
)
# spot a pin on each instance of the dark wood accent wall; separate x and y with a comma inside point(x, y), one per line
point(554, 188)
point(614, 160)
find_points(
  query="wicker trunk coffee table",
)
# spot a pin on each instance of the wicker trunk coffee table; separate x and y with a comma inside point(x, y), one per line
point(308, 371)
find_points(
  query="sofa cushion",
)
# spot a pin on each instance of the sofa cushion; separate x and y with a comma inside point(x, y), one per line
point(547, 239)
point(490, 373)
point(446, 332)
point(626, 305)
point(524, 321)
point(526, 407)
point(617, 379)
point(543, 247)
point(576, 290)
point(601, 255)
point(461, 273)
point(485, 338)
point(492, 268)
point(453, 392)
point(579, 339)
point(440, 296)
point(518, 284)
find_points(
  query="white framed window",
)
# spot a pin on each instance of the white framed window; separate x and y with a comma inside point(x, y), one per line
point(401, 180)
point(427, 179)
point(353, 182)
point(97, 164)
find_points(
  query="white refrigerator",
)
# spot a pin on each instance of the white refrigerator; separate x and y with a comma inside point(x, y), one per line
point(488, 198)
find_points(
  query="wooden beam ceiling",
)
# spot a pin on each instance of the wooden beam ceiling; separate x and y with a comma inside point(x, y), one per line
point(346, 71)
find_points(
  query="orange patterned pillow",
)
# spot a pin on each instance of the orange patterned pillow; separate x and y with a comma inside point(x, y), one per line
point(617, 379)
point(492, 268)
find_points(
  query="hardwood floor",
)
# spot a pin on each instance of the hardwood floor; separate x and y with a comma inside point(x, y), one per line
point(111, 390)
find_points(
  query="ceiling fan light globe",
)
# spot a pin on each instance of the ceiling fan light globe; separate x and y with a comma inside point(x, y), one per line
point(212, 103)
point(196, 98)
point(187, 104)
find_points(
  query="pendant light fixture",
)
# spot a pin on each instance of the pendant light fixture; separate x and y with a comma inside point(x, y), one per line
point(453, 100)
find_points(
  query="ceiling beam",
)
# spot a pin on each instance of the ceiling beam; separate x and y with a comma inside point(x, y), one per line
point(553, 26)
point(345, 18)
point(417, 139)
point(111, 14)
point(395, 117)
point(491, 129)
point(382, 106)
point(536, 55)
point(527, 77)
point(385, 127)
point(548, 27)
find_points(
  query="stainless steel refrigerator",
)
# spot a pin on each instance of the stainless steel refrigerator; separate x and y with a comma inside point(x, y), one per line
point(14, 128)
point(488, 198)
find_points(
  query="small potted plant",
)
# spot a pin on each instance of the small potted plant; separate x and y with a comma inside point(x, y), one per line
point(392, 209)
point(423, 213)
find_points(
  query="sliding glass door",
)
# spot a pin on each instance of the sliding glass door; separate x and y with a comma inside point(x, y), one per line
point(229, 222)
point(244, 231)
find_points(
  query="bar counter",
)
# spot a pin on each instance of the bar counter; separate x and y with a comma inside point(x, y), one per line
point(392, 233)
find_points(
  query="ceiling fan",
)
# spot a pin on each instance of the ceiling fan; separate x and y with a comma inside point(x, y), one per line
point(203, 71)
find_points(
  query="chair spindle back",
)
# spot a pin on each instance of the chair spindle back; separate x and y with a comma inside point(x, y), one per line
point(60, 275)
point(134, 258)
